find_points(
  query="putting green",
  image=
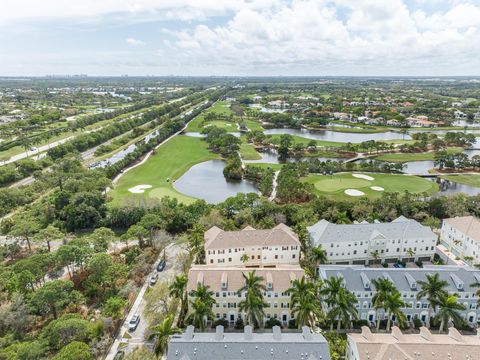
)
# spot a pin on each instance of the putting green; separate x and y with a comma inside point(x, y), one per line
point(334, 186)
point(170, 162)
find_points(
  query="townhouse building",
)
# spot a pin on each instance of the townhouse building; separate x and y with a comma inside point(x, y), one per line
point(225, 282)
point(248, 345)
point(422, 346)
point(252, 248)
point(358, 279)
point(367, 243)
point(461, 236)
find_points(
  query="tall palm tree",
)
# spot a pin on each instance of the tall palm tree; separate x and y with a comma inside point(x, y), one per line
point(200, 314)
point(449, 308)
point(161, 333)
point(203, 293)
point(432, 289)
point(393, 306)
point(253, 305)
point(177, 290)
point(344, 308)
point(304, 302)
point(383, 287)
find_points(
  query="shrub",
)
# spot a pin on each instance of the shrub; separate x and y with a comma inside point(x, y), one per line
point(292, 324)
point(239, 325)
point(223, 322)
point(270, 323)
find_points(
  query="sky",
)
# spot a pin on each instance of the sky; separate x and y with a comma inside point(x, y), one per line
point(240, 37)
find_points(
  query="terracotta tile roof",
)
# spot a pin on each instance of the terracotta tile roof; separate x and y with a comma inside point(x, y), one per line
point(280, 276)
point(469, 225)
point(281, 234)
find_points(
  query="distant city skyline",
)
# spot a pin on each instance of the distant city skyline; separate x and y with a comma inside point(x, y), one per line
point(240, 37)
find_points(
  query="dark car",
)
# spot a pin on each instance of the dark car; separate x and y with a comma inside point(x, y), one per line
point(161, 265)
point(134, 321)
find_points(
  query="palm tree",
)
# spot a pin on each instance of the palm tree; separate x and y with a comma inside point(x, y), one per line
point(432, 289)
point(244, 258)
point(319, 255)
point(476, 284)
point(393, 306)
point(449, 308)
point(203, 293)
point(253, 304)
point(177, 290)
point(383, 287)
point(304, 302)
point(161, 333)
point(200, 314)
point(344, 308)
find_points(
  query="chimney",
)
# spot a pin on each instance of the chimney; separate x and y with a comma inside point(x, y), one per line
point(247, 332)
point(307, 335)
point(188, 335)
point(426, 334)
point(219, 332)
point(454, 334)
point(366, 333)
point(397, 333)
point(277, 333)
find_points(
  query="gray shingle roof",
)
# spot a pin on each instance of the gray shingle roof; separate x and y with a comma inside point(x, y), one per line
point(401, 228)
point(402, 278)
point(234, 346)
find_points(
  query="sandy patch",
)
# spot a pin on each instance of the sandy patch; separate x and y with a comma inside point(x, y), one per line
point(363, 176)
point(353, 192)
point(139, 189)
point(377, 188)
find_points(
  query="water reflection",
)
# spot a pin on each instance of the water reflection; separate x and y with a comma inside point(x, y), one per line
point(450, 187)
point(271, 157)
point(206, 181)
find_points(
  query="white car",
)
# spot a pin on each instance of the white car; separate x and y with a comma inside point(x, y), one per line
point(134, 321)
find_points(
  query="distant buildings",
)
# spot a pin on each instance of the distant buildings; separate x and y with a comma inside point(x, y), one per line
point(459, 114)
point(358, 279)
point(420, 121)
point(252, 248)
point(461, 236)
point(248, 345)
point(422, 346)
point(367, 243)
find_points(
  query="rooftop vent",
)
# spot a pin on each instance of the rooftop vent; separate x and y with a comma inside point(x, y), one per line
point(454, 334)
point(224, 280)
point(457, 281)
point(306, 333)
point(277, 333)
point(188, 335)
point(387, 277)
point(247, 332)
point(426, 334)
point(219, 332)
point(411, 281)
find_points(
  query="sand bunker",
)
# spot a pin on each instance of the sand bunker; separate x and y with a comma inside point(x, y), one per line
point(353, 192)
point(139, 189)
point(363, 176)
point(377, 188)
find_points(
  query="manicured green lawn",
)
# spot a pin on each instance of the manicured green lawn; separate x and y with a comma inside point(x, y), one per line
point(248, 152)
point(171, 161)
point(335, 185)
point(472, 180)
point(305, 141)
point(274, 167)
point(219, 108)
point(404, 157)
point(253, 125)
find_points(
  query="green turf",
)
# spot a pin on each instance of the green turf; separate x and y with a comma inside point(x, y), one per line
point(335, 185)
point(219, 108)
point(404, 157)
point(253, 125)
point(248, 152)
point(472, 180)
point(274, 167)
point(305, 141)
point(171, 161)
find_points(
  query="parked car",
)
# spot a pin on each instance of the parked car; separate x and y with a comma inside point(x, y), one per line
point(153, 279)
point(134, 321)
point(161, 265)
point(398, 265)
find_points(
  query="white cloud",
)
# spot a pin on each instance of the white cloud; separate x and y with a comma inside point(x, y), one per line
point(134, 42)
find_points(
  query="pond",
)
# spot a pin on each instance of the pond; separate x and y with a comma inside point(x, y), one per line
point(265, 109)
point(329, 135)
point(271, 157)
point(449, 187)
point(206, 181)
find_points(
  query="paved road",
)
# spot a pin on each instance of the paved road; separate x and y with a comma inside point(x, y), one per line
point(138, 336)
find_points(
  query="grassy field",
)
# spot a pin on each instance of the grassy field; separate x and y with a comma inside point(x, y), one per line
point(171, 161)
point(472, 180)
point(219, 108)
point(275, 167)
point(248, 152)
point(253, 125)
point(335, 185)
point(404, 157)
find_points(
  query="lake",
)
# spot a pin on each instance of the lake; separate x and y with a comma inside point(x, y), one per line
point(206, 181)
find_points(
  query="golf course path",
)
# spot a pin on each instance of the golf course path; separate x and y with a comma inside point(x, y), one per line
point(274, 190)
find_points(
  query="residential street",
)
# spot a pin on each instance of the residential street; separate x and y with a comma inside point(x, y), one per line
point(172, 268)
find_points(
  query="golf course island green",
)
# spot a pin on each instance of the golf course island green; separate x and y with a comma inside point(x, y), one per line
point(350, 186)
point(153, 179)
